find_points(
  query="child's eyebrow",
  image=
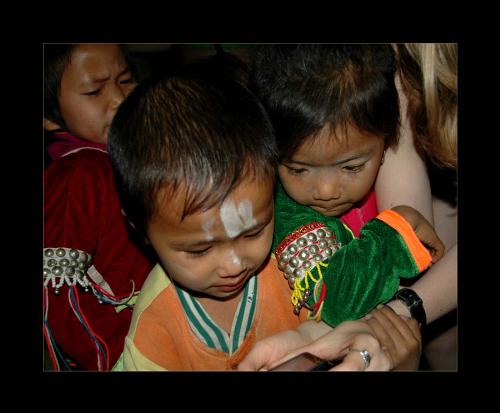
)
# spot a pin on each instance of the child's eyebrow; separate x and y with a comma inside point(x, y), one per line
point(103, 78)
point(361, 154)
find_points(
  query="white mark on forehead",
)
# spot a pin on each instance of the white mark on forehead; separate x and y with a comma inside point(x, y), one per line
point(234, 258)
point(207, 229)
point(237, 220)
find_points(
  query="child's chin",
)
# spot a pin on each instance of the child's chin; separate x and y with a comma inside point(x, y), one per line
point(330, 213)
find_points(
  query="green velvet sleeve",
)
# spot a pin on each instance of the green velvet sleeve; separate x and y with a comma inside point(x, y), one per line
point(365, 272)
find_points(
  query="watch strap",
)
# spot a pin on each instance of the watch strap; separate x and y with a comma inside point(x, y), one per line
point(414, 304)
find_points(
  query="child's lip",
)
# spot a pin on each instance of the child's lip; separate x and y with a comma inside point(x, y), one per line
point(333, 210)
point(234, 285)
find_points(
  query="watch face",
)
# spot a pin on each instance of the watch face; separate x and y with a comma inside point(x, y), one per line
point(414, 304)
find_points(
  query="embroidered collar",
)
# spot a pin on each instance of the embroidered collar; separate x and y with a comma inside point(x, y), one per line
point(66, 143)
point(207, 330)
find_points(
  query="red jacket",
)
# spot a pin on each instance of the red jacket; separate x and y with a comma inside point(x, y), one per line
point(82, 211)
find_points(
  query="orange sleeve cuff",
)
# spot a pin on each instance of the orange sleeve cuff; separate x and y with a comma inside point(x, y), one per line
point(418, 251)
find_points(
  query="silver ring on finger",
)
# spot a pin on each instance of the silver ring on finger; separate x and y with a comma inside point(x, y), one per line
point(365, 355)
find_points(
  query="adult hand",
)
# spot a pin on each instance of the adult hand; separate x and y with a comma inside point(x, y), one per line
point(267, 351)
point(347, 341)
point(423, 230)
point(400, 336)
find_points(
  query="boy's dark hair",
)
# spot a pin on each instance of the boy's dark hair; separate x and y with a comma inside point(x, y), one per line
point(56, 58)
point(307, 86)
point(198, 129)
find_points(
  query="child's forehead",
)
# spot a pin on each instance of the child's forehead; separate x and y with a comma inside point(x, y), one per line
point(343, 138)
point(95, 57)
point(249, 194)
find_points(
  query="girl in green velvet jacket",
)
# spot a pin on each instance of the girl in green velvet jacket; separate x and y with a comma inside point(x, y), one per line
point(333, 122)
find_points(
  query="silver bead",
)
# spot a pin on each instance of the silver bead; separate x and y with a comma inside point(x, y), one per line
point(73, 263)
point(82, 265)
point(302, 242)
point(79, 274)
point(323, 243)
point(70, 270)
point(328, 252)
point(306, 265)
point(296, 309)
point(57, 270)
point(64, 262)
point(328, 232)
point(292, 249)
point(299, 273)
point(307, 294)
point(49, 252)
point(313, 249)
point(294, 262)
point(318, 258)
point(73, 254)
point(321, 233)
point(288, 270)
point(46, 272)
point(291, 280)
point(284, 257)
point(51, 262)
point(56, 291)
point(303, 255)
point(60, 252)
point(311, 237)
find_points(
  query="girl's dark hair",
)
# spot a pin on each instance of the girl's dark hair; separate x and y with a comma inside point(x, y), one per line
point(198, 129)
point(56, 58)
point(307, 86)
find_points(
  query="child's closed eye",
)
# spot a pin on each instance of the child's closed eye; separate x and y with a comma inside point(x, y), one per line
point(92, 92)
point(198, 253)
point(354, 168)
point(255, 234)
point(127, 81)
point(295, 171)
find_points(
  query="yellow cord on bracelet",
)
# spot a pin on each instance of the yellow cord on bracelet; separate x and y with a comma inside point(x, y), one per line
point(298, 288)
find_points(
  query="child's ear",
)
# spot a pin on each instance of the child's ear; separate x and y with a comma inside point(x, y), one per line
point(50, 125)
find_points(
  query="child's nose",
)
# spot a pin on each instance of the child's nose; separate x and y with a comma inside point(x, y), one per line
point(117, 96)
point(327, 188)
point(232, 264)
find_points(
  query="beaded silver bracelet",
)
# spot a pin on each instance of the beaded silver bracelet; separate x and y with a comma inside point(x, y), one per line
point(299, 253)
point(68, 265)
point(306, 246)
point(302, 249)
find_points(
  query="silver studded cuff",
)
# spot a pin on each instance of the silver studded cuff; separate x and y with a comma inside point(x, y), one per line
point(303, 248)
point(65, 265)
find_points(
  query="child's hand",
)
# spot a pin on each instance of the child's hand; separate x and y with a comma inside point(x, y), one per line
point(269, 350)
point(423, 229)
point(398, 335)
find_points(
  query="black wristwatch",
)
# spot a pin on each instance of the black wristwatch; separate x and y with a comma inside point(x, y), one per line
point(414, 304)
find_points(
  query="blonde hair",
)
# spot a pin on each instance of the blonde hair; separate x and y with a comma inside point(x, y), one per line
point(429, 75)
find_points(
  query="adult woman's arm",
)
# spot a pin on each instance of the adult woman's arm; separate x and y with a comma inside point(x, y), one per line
point(437, 288)
point(403, 179)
